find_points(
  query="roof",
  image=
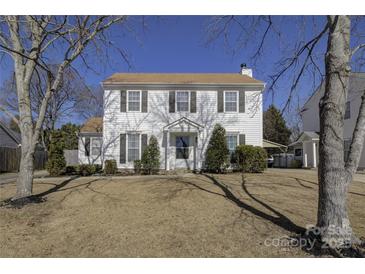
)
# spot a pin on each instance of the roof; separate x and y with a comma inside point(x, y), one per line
point(356, 84)
point(182, 78)
point(310, 134)
point(14, 135)
point(93, 125)
point(306, 136)
point(181, 121)
point(267, 143)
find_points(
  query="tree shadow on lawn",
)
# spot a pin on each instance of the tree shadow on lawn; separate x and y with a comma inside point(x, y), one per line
point(300, 182)
point(308, 242)
point(42, 197)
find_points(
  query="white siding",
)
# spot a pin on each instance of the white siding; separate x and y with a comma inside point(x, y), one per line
point(91, 159)
point(310, 113)
point(158, 116)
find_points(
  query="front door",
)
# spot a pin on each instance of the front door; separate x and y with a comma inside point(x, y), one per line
point(184, 151)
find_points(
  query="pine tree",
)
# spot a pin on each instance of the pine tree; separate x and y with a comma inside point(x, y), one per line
point(151, 157)
point(69, 135)
point(275, 128)
point(217, 155)
point(56, 163)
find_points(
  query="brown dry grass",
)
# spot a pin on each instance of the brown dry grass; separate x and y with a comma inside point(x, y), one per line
point(176, 216)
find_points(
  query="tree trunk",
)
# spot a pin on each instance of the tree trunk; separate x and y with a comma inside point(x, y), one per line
point(333, 178)
point(24, 186)
point(26, 170)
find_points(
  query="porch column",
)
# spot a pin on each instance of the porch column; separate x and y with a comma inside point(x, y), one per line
point(195, 144)
point(305, 160)
point(167, 145)
point(314, 154)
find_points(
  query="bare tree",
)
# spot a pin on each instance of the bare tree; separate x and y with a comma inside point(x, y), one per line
point(334, 173)
point(90, 102)
point(60, 107)
point(31, 41)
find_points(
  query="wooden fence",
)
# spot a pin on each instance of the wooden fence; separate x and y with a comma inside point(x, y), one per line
point(10, 159)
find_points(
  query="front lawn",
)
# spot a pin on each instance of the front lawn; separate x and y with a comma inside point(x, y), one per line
point(167, 216)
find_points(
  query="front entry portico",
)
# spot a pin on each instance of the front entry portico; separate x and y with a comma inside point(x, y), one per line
point(306, 149)
point(181, 144)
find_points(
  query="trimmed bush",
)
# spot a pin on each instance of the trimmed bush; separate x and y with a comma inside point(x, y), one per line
point(251, 159)
point(87, 170)
point(56, 163)
point(110, 167)
point(98, 168)
point(137, 166)
point(217, 155)
point(296, 164)
point(151, 157)
point(71, 170)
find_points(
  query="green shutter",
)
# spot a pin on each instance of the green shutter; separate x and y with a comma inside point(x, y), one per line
point(242, 139)
point(143, 142)
point(172, 101)
point(220, 101)
point(193, 101)
point(144, 100)
point(123, 101)
point(242, 101)
point(87, 146)
point(122, 143)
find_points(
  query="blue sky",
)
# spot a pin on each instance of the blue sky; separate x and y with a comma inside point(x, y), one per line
point(179, 44)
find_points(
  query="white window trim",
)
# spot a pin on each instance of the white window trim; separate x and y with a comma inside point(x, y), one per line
point(140, 100)
point(91, 146)
point(224, 101)
point(176, 92)
point(127, 146)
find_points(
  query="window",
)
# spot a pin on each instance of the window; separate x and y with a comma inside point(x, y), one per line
point(96, 146)
point(298, 152)
point(133, 147)
point(182, 147)
point(348, 111)
point(182, 101)
point(231, 142)
point(230, 101)
point(134, 100)
point(346, 148)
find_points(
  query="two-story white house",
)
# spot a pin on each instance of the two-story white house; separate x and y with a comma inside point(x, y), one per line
point(180, 109)
point(306, 147)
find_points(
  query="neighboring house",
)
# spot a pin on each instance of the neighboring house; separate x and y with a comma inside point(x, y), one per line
point(180, 110)
point(90, 141)
point(306, 147)
point(8, 137)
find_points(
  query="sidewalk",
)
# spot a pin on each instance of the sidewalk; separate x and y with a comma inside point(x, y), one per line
point(11, 177)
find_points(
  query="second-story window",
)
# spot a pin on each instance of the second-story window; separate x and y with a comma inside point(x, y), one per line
point(134, 100)
point(348, 111)
point(182, 101)
point(230, 101)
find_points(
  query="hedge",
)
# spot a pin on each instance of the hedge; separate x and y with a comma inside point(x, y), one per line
point(251, 159)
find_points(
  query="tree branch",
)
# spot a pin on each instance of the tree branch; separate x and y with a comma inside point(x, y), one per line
point(357, 48)
point(357, 139)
